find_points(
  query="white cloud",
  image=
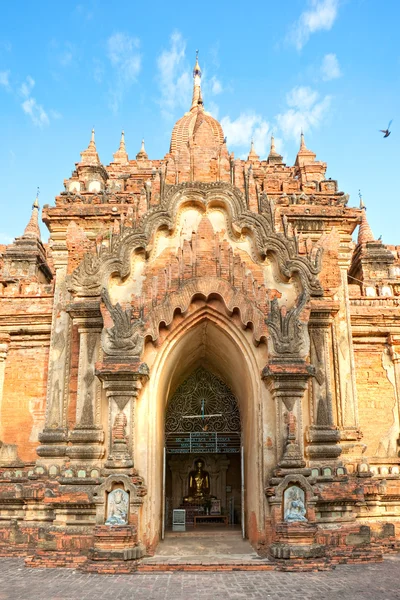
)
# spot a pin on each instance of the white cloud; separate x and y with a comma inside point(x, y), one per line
point(27, 86)
point(30, 106)
point(174, 76)
point(5, 79)
point(123, 53)
point(330, 68)
point(320, 16)
point(36, 112)
point(306, 111)
point(246, 127)
point(216, 86)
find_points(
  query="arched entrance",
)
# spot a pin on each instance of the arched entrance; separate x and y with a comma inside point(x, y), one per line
point(204, 455)
point(209, 338)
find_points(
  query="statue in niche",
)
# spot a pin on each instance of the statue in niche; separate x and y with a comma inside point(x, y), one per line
point(117, 509)
point(294, 508)
point(199, 483)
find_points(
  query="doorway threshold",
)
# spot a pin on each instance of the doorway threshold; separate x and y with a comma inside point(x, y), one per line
point(203, 549)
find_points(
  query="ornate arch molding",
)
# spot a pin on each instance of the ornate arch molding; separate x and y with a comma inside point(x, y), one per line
point(92, 275)
point(286, 328)
point(205, 287)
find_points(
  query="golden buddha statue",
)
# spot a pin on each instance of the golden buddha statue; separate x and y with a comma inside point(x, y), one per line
point(199, 483)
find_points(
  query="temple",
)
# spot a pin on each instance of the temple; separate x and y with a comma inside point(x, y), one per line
point(200, 334)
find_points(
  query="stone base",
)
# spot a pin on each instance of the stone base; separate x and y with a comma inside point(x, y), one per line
point(296, 541)
point(115, 550)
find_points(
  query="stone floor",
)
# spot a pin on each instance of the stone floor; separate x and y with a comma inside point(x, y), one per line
point(204, 546)
point(353, 582)
point(204, 541)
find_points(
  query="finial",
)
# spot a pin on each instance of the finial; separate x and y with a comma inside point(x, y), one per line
point(362, 205)
point(32, 230)
point(92, 140)
point(142, 154)
point(365, 232)
point(272, 143)
point(196, 98)
point(197, 70)
point(252, 154)
point(92, 143)
point(36, 201)
point(90, 156)
point(302, 142)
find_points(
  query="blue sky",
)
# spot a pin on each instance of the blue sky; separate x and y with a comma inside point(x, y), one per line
point(331, 67)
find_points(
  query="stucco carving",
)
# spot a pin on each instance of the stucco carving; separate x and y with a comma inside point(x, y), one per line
point(289, 334)
point(266, 246)
point(93, 274)
point(124, 338)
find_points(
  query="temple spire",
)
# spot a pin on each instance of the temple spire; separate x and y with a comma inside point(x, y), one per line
point(302, 142)
point(90, 156)
point(252, 154)
point(32, 229)
point(142, 154)
point(274, 157)
point(304, 155)
point(196, 98)
point(121, 155)
point(365, 232)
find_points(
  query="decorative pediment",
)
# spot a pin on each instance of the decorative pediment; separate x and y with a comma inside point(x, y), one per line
point(201, 241)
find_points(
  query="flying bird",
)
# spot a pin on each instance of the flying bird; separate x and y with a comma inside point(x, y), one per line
point(387, 131)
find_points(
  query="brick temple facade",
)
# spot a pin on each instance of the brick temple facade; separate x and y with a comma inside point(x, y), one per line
point(199, 280)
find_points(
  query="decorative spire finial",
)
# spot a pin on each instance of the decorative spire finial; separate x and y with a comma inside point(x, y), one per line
point(142, 152)
point(196, 98)
point(365, 232)
point(36, 201)
point(32, 229)
point(121, 155)
point(90, 156)
point(362, 205)
point(302, 142)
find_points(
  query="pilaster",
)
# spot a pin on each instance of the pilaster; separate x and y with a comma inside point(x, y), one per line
point(323, 435)
point(4, 347)
point(122, 383)
point(287, 381)
point(87, 435)
point(53, 439)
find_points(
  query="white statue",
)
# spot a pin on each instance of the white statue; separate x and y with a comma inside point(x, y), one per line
point(117, 509)
point(294, 509)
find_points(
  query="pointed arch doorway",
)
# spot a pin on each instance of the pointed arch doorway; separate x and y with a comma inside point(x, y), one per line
point(203, 464)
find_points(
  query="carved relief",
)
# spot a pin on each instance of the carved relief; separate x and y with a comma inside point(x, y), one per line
point(124, 338)
point(117, 507)
point(289, 334)
point(294, 504)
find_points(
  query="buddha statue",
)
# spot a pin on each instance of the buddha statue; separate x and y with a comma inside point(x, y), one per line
point(199, 483)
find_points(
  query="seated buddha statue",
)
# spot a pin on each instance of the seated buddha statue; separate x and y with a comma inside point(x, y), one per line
point(199, 483)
